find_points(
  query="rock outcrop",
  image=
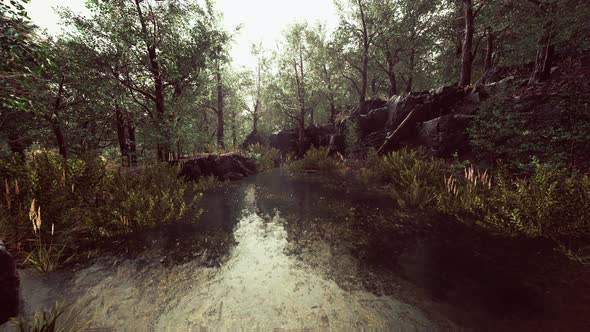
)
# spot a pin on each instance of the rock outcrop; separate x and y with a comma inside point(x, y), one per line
point(252, 139)
point(9, 286)
point(435, 119)
point(231, 166)
point(287, 141)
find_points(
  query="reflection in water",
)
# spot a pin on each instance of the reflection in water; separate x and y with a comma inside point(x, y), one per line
point(260, 286)
point(301, 251)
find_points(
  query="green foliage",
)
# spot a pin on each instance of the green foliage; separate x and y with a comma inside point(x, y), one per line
point(51, 207)
point(265, 157)
point(156, 195)
point(521, 131)
point(316, 159)
point(551, 203)
point(55, 320)
point(412, 179)
point(351, 138)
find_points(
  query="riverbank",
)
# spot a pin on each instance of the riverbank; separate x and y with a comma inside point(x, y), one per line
point(319, 251)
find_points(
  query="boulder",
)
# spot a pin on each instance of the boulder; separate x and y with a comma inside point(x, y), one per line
point(9, 286)
point(252, 139)
point(287, 141)
point(444, 135)
point(231, 166)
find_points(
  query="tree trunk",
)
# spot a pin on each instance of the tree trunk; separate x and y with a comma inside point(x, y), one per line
point(121, 135)
point(488, 62)
point(132, 145)
point(412, 66)
point(330, 95)
point(467, 61)
point(55, 127)
point(365, 60)
point(156, 72)
point(545, 55)
point(234, 134)
point(220, 124)
point(60, 139)
point(392, 77)
point(255, 116)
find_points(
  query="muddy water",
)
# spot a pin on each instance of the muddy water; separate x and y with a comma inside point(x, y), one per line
point(303, 251)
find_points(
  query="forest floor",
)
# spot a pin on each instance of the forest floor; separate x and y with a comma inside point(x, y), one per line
point(289, 250)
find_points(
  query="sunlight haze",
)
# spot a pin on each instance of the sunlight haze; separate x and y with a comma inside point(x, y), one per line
point(261, 20)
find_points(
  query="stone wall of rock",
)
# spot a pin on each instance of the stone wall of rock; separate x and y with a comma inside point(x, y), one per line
point(435, 119)
point(231, 166)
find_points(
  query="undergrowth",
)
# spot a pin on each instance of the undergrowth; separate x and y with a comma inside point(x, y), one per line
point(265, 157)
point(58, 319)
point(51, 208)
point(550, 202)
point(316, 159)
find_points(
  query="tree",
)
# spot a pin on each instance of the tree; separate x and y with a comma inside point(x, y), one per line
point(175, 39)
point(359, 28)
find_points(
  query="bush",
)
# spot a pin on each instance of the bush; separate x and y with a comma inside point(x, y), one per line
point(551, 203)
point(50, 207)
point(265, 157)
point(316, 159)
point(154, 196)
point(412, 178)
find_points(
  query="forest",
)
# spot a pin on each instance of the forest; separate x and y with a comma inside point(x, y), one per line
point(428, 154)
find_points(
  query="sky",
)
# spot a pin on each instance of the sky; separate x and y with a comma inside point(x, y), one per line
point(261, 20)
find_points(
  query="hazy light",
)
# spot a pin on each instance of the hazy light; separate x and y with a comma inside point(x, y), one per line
point(261, 20)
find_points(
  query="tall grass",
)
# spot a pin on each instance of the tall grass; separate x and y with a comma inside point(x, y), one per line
point(550, 202)
point(55, 320)
point(50, 208)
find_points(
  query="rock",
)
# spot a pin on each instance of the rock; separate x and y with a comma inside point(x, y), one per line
point(287, 141)
point(9, 286)
point(444, 135)
point(252, 139)
point(231, 166)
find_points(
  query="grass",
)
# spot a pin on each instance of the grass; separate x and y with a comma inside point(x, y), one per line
point(50, 208)
point(55, 320)
point(316, 159)
point(550, 202)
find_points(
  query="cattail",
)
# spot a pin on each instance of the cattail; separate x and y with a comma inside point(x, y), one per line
point(52, 228)
point(16, 188)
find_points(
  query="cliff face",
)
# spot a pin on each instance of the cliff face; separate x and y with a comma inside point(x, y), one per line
point(540, 118)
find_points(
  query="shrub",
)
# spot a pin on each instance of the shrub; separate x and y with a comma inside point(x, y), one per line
point(74, 202)
point(155, 195)
point(265, 157)
point(317, 159)
point(412, 178)
point(551, 203)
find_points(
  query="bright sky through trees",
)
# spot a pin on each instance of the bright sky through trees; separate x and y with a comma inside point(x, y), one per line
point(261, 20)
